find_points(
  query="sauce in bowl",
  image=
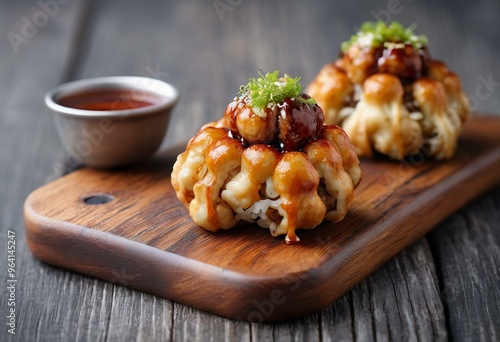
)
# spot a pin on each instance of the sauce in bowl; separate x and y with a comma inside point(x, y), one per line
point(107, 122)
point(109, 99)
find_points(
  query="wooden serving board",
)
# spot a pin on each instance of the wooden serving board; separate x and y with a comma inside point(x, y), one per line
point(144, 238)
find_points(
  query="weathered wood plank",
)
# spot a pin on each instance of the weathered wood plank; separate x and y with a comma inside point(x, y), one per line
point(400, 301)
point(184, 261)
point(138, 316)
point(467, 252)
point(220, 55)
point(28, 145)
point(194, 325)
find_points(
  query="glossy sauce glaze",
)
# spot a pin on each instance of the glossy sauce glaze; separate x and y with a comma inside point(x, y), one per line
point(285, 127)
point(107, 100)
point(401, 60)
point(223, 179)
point(288, 126)
point(298, 123)
point(405, 62)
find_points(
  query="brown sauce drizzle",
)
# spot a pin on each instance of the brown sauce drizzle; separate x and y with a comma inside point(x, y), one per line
point(297, 124)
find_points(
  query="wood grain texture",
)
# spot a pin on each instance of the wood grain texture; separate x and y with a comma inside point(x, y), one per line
point(144, 235)
point(475, 233)
point(398, 302)
point(196, 51)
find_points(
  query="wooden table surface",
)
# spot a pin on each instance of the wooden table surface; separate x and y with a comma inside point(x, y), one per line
point(445, 286)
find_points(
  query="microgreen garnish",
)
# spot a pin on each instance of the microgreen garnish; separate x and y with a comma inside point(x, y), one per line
point(380, 34)
point(270, 89)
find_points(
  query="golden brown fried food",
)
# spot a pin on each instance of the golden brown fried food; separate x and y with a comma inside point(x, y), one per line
point(390, 96)
point(276, 165)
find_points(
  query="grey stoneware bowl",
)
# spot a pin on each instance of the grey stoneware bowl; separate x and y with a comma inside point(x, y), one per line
point(108, 122)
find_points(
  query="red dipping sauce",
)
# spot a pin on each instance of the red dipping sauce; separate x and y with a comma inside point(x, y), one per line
point(109, 99)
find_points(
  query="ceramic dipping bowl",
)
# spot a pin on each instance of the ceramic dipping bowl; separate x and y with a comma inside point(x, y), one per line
point(108, 122)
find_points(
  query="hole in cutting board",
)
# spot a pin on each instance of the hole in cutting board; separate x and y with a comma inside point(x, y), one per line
point(98, 199)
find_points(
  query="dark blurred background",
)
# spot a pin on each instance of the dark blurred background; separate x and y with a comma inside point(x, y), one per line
point(208, 48)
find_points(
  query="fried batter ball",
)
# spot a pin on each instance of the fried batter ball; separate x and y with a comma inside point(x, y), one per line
point(390, 96)
point(277, 166)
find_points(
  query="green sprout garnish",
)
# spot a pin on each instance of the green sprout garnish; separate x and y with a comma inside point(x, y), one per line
point(270, 89)
point(380, 34)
